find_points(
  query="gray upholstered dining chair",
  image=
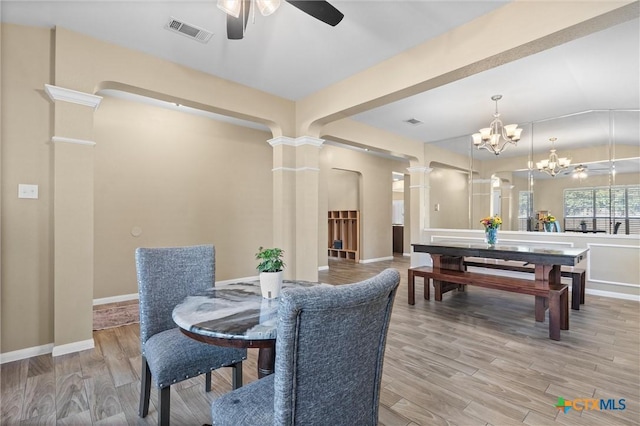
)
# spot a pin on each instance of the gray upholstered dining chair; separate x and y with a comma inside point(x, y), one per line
point(329, 354)
point(165, 277)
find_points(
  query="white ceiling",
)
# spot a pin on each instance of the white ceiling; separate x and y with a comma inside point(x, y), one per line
point(292, 55)
point(289, 53)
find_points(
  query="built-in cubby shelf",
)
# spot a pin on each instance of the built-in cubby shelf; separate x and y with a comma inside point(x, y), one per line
point(344, 227)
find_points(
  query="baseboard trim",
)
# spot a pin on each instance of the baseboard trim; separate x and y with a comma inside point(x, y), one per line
point(613, 294)
point(115, 299)
point(26, 353)
point(323, 268)
point(73, 347)
point(379, 259)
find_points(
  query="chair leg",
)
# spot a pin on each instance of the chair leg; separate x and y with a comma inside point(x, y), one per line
point(164, 405)
point(236, 375)
point(145, 389)
point(207, 382)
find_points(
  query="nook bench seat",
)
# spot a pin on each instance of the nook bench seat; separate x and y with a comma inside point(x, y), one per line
point(577, 275)
point(444, 280)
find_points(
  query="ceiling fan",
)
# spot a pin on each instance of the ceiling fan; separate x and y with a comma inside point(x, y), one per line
point(238, 12)
point(578, 172)
point(581, 171)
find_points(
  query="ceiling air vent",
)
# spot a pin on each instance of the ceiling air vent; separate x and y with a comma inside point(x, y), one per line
point(188, 30)
point(413, 121)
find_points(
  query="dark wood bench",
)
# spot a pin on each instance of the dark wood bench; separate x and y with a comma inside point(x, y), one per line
point(578, 276)
point(444, 280)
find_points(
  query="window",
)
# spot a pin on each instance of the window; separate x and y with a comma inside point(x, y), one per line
point(601, 208)
point(525, 209)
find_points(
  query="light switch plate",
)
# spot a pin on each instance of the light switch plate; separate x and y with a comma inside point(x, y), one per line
point(27, 191)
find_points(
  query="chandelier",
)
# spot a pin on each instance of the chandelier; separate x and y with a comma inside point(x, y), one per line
point(553, 165)
point(497, 136)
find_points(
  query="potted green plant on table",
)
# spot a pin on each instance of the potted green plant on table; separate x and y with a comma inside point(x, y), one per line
point(270, 267)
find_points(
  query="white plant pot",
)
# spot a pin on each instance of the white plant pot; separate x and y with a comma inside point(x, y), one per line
point(270, 284)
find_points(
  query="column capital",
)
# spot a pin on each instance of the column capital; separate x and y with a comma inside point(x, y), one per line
point(302, 140)
point(57, 93)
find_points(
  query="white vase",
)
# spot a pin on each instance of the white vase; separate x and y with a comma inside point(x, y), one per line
point(270, 284)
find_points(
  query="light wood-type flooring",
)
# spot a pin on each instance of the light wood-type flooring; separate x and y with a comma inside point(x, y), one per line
point(477, 358)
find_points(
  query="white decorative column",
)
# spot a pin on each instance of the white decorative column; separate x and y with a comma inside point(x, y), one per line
point(419, 200)
point(73, 149)
point(295, 203)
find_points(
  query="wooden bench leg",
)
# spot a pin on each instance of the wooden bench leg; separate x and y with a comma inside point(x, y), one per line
point(558, 312)
point(411, 296)
point(437, 290)
point(564, 303)
point(541, 308)
point(576, 292)
point(427, 282)
point(554, 315)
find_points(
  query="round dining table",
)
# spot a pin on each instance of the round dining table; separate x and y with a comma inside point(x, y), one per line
point(235, 315)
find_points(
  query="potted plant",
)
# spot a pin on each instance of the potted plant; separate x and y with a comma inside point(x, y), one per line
point(270, 268)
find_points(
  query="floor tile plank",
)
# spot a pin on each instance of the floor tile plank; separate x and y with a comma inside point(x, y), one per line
point(71, 397)
point(39, 397)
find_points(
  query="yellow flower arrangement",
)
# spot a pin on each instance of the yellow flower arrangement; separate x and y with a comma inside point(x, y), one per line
point(548, 218)
point(491, 222)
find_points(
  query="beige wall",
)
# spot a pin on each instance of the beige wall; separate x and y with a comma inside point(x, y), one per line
point(181, 179)
point(344, 190)
point(449, 190)
point(27, 264)
point(375, 197)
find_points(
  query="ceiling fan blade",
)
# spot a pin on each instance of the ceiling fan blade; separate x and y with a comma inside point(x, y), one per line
point(236, 26)
point(319, 9)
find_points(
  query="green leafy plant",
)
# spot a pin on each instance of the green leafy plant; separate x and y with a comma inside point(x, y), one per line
point(270, 259)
